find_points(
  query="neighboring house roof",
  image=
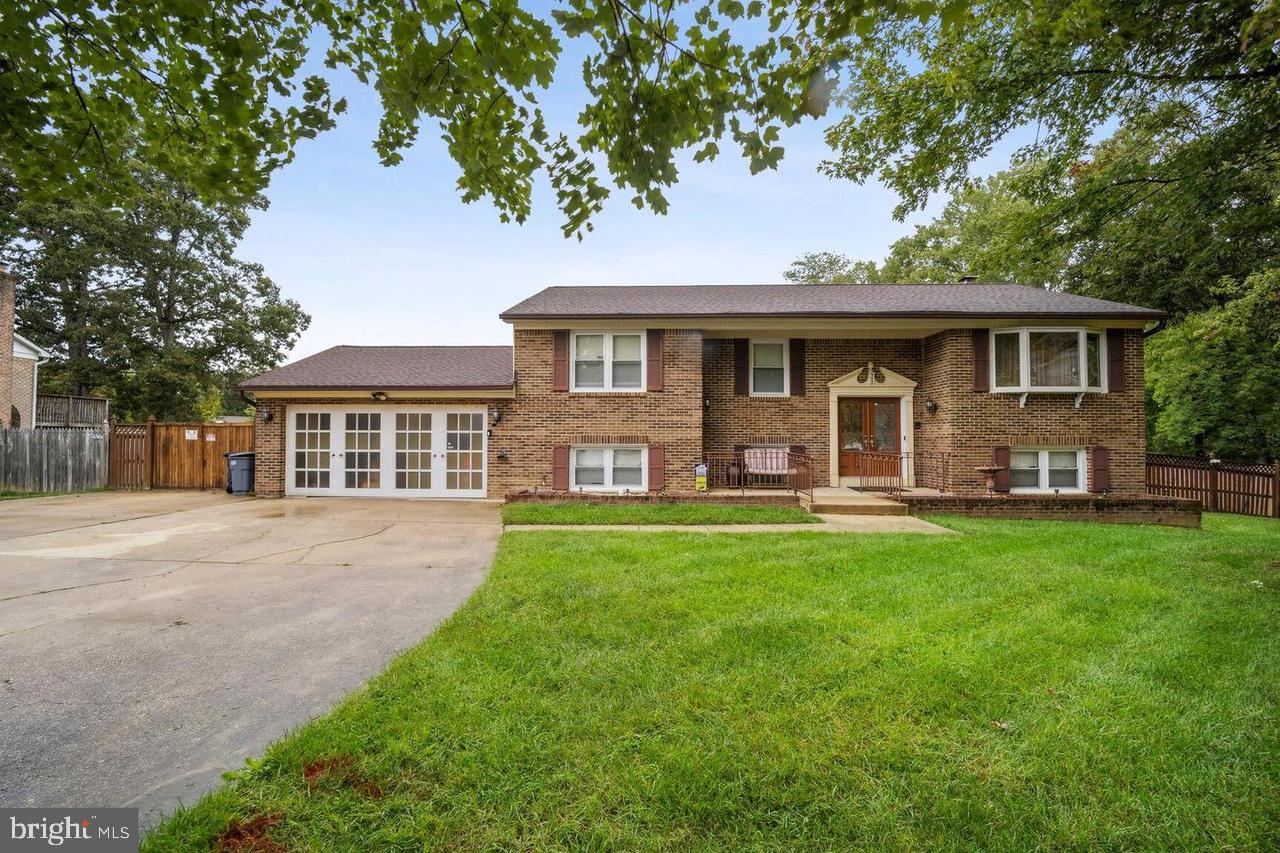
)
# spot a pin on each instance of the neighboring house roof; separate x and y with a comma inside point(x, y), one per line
point(23, 348)
point(818, 300)
point(393, 368)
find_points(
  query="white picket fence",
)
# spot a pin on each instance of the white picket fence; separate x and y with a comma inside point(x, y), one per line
point(53, 460)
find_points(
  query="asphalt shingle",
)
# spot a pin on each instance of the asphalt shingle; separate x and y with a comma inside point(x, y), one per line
point(393, 368)
point(812, 300)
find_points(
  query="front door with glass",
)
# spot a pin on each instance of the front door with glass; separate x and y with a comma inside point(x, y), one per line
point(869, 428)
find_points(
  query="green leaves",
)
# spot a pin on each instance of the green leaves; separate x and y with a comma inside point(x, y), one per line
point(214, 92)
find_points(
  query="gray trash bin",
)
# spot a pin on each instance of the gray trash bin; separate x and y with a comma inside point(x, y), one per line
point(240, 473)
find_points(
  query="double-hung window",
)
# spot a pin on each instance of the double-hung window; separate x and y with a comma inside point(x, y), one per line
point(1067, 360)
point(608, 361)
point(608, 469)
point(769, 369)
point(1033, 469)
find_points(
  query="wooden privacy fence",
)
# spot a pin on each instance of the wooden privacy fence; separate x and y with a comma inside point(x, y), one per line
point(158, 455)
point(53, 460)
point(65, 410)
point(1246, 488)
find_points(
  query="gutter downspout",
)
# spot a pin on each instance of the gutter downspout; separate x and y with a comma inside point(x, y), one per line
point(35, 389)
point(1157, 328)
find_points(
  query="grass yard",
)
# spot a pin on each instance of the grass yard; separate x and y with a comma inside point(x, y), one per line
point(14, 496)
point(1025, 685)
point(571, 512)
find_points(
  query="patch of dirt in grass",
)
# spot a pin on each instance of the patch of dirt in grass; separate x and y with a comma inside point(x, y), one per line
point(342, 769)
point(249, 836)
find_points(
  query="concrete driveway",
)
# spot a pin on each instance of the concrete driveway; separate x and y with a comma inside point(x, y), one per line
point(151, 641)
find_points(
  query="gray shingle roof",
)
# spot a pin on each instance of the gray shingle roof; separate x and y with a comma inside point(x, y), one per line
point(393, 368)
point(799, 300)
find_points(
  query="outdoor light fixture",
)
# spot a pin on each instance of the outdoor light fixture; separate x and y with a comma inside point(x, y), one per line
point(379, 395)
point(706, 404)
point(930, 406)
point(267, 417)
point(497, 416)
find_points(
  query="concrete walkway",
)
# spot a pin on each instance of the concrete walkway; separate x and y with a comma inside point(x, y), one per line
point(832, 524)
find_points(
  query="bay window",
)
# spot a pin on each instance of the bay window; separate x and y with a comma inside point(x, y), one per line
point(1068, 360)
point(608, 469)
point(1034, 469)
point(608, 361)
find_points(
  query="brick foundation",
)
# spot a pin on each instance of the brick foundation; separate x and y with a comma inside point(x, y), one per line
point(779, 499)
point(1115, 510)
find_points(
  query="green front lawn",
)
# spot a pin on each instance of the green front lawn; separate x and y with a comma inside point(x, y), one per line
point(1025, 685)
point(14, 496)
point(572, 512)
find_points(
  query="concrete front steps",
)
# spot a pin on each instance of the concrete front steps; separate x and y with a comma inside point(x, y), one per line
point(847, 502)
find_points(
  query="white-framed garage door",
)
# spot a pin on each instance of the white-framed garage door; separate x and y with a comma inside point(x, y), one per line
point(386, 451)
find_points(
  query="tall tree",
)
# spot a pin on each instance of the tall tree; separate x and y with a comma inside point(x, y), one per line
point(147, 303)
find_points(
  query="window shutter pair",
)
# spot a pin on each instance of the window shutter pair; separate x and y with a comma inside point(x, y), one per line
point(742, 366)
point(560, 467)
point(982, 360)
point(1099, 468)
point(560, 360)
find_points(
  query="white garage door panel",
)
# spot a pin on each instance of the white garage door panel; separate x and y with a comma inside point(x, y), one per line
point(386, 451)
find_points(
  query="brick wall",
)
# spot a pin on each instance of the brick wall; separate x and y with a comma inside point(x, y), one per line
point(539, 418)
point(970, 424)
point(966, 424)
point(24, 377)
point(733, 419)
point(1174, 512)
point(269, 441)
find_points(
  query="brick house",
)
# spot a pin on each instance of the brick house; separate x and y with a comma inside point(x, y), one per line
point(626, 389)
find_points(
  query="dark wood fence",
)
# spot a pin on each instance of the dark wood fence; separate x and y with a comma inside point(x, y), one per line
point(1246, 488)
point(53, 460)
point(158, 455)
point(64, 410)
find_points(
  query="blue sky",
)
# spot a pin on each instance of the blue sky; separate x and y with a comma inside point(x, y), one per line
point(382, 255)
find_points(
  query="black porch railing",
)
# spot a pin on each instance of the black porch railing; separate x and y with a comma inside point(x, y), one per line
point(761, 468)
point(883, 471)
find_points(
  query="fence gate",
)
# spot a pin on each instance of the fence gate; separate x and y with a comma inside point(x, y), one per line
point(158, 455)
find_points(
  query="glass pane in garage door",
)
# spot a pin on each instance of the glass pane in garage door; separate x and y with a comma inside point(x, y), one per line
point(311, 450)
point(464, 450)
point(413, 450)
point(363, 450)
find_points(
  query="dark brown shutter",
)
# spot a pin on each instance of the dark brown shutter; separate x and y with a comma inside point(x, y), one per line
point(653, 354)
point(981, 360)
point(560, 466)
point(1100, 469)
point(1000, 458)
point(657, 468)
point(796, 348)
point(560, 361)
point(1115, 360)
point(741, 366)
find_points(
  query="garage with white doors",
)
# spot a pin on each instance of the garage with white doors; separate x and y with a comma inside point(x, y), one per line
point(396, 451)
point(380, 421)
